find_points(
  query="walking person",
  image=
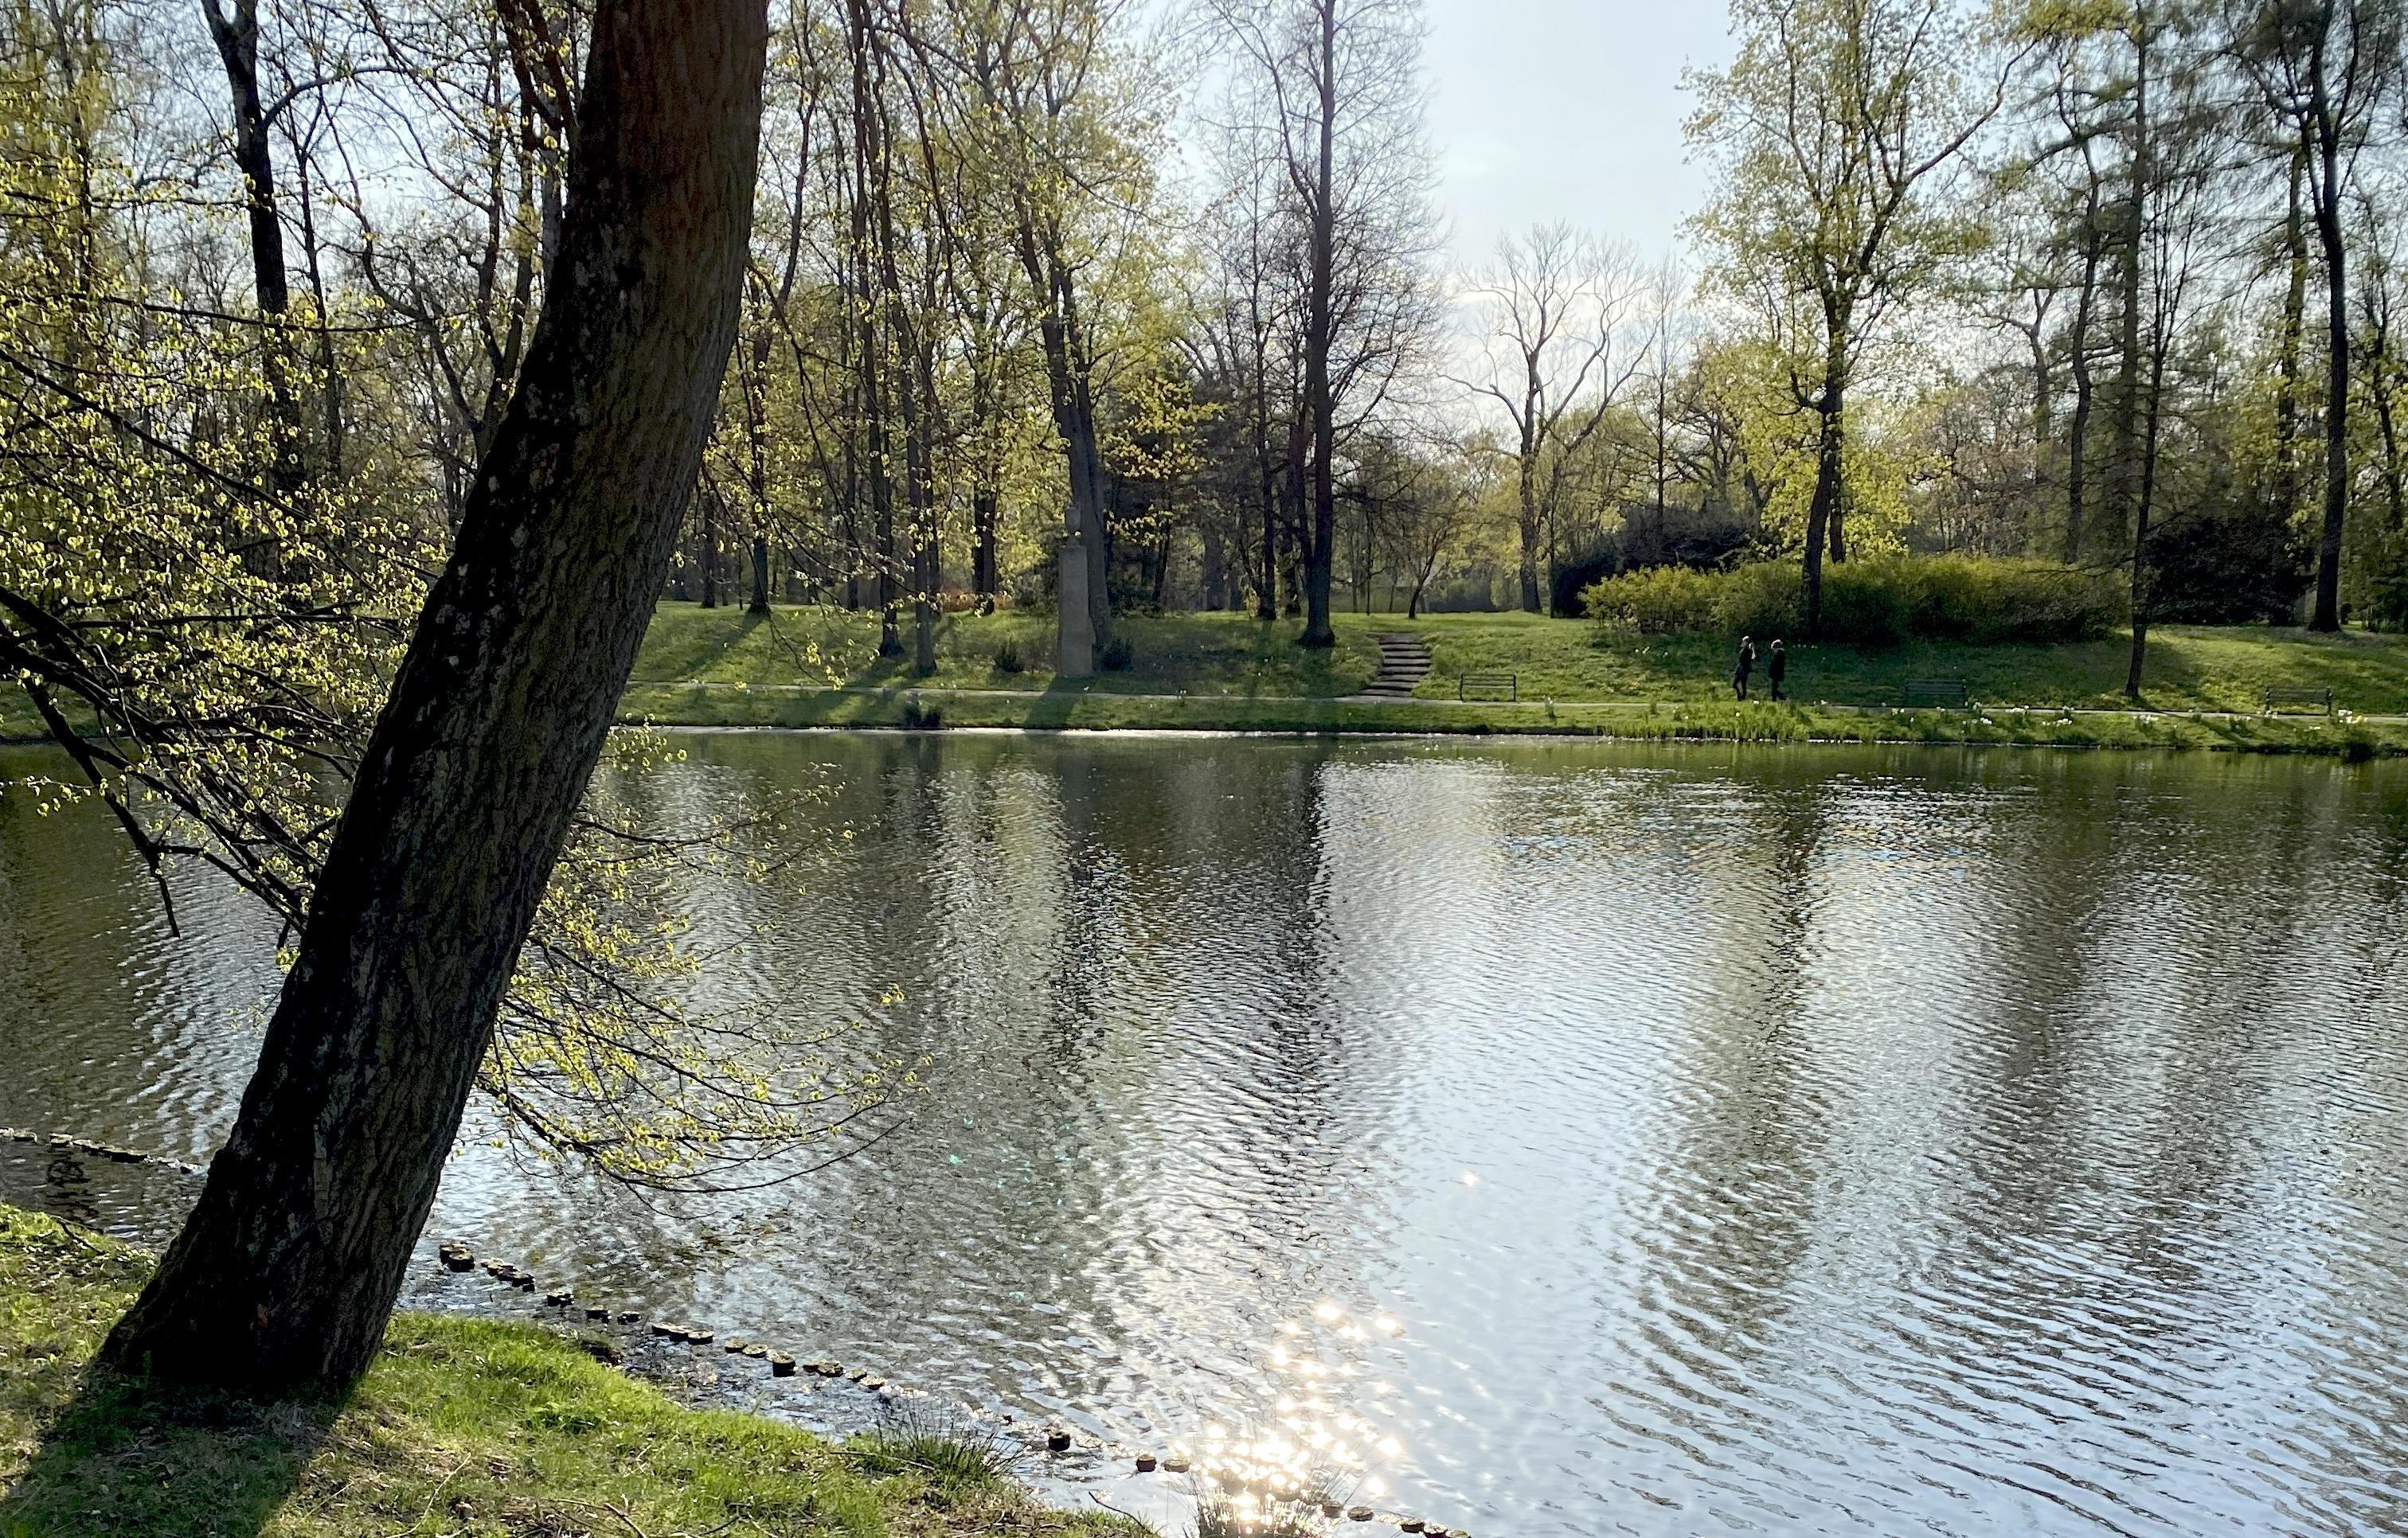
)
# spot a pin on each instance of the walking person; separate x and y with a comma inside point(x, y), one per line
point(1776, 667)
point(1747, 666)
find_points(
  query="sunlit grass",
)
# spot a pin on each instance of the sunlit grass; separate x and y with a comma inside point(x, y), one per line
point(461, 1427)
point(954, 1453)
point(1567, 661)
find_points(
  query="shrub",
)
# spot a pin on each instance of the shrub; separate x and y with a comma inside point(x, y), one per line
point(1764, 599)
point(1662, 601)
point(1007, 657)
point(1872, 606)
point(1873, 602)
point(1117, 655)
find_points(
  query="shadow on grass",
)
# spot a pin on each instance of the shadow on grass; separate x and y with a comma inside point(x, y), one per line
point(126, 1457)
point(1051, 710)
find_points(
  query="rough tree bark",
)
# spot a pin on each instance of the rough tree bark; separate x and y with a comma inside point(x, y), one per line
point(282, 1279)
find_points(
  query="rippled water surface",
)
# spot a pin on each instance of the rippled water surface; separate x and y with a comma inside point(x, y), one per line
point(1598, 1139)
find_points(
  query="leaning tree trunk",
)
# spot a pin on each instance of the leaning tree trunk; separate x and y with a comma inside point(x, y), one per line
point(283, 1277)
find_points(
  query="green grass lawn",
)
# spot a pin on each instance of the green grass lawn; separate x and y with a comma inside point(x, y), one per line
point(463, 1428)
point(2189, 668)
point(1238, 673)
point(1170, 654)
point(1069, 709)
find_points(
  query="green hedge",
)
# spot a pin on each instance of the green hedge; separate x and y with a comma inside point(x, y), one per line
point(1873, 602)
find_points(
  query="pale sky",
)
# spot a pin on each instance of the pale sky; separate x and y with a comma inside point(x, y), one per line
point(1567, 109)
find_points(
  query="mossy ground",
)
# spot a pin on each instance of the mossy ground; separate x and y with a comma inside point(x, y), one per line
point(461, 1428)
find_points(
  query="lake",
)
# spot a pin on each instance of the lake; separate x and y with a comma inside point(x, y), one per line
point(1592, 1138)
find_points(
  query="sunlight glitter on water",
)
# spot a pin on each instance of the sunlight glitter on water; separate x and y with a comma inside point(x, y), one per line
point(1858, 1142)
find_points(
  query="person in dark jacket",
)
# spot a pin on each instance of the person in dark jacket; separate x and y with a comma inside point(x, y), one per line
point(1776, 667)
point(1747, 666)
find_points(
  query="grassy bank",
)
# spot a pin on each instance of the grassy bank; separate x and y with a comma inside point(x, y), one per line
point(1197, 653)
point(461, 1428)
point(1067, 708)
point(2189, 668)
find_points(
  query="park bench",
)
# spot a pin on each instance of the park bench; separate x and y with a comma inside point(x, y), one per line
point(1937, 691)
point(2321, 698)
point(1488, 686)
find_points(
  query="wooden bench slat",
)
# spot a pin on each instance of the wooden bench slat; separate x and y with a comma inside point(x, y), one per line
point(1939, 688)
point(1504, 686)
point(2295, 695)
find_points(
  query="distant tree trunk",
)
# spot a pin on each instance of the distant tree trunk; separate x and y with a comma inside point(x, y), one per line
point(2077, 433)
point(984, 523)
point(1216, 568)
point(1321, 554)
point(756, 458)
point(282, 1278)
point(2125, 465)
point(706, 551)
point(1071, 394)
point(1532, 518)
point(236, 36)
point(1840, 514)
point(869, 122)
point(1830, 466)
point(985, 501)
point(2329, 234)
point(2143, 594)
point(2295, 314)
point(2380, 382)
point(1267, 595)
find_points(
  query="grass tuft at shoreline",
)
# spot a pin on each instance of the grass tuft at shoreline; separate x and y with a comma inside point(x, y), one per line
point(474, 1429)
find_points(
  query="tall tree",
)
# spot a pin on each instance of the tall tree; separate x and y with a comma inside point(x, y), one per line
point(1336, 85)
point(282, 1278)
point(1839, 125)
point(1556, 302)
point(1058, 139)
point(2327, 67)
